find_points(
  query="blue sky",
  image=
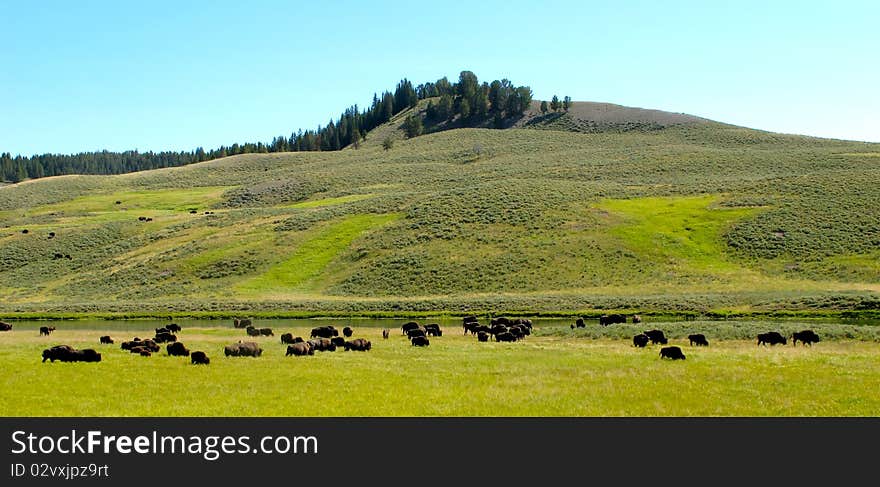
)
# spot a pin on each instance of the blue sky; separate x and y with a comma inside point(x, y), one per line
point(93, 75)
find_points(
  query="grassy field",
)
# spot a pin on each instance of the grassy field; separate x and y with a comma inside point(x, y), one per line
point(699, 217)
point(557, 372)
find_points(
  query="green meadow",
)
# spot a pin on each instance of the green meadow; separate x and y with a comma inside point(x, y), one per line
point(556, 372)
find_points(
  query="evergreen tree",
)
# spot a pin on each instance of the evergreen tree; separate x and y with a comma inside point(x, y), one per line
point(543, 107)
point(554, 103)
point(566, 103)
point(413, 125)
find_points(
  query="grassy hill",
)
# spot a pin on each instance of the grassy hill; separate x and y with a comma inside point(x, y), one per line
point(608, 209)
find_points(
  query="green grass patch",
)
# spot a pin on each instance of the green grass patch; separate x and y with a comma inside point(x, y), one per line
point(329, 201)
point(314, 255)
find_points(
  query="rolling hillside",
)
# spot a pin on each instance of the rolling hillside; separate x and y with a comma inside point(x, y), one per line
point(605, 207)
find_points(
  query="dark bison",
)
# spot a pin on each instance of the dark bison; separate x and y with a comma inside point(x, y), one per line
point(433, 329)
point(469, 319)
point(579, 323)
point(807, 337)
point(165, 338)
point(606, 320)
point(420, 341)
point(771, 337)
point(418, 332)
point(45, 330)
point(641, 340)
point(177, 349)
point(173, 328)
point(673, 353)
point(347, 331)
point(286, 338)
point(162, 330)
point(482, 336)
point(5, 326)
point(496, 329)
point(358, 345)
point(66, 353)
point(385, 333)
point(698, 339)
point(251, 331)
point(241, 323)
point(322, 345)
point(266, 332)
point(338, 341)
point(199, 358)
point(406, 327)
point(471, 327)
point(656, 337)
point(146, 353)
point(505, 337)
point(138, 349)
point(636, 319)
point(243, 349)
point(106, 339)
point(299, 349)
point(501, 320)
point(324, 332)
point(524, 322)
point(150, 345)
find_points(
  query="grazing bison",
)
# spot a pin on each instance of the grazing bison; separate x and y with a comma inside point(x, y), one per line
point(433, 329)
point(66, 353)
point(606, 320)
point(338, 341)
point(146, 344)
point(251, 331)
point(385, 333)
point(322, 345)
point(501, 320)
point(45, 330)
point(516, 331)
point(418, 332)
point(57, 352)
point(243, 349)
point(358, 345)
point(299, 349)
point(266, 332)
point(656, 337)
point(241, 323)
point(173, 328)
point(199, 358)
point(640, 340)
point(524, 322)
point(177, 349)
point(505, 337)
point(106, 339)
point(482, 336)
point(807, 337)
point(471, 327)
point(771, 337)
point(5, 326)
point(406, 327)
point(287, 338)
point(138, 349)
point(673, 353)
point(496, 329)
point(165, 337)
point(420, 341)
point(698, 339)
point(347, 331)
point(579, 323)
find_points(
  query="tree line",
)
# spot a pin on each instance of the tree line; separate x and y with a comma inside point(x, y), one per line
point(467, 102)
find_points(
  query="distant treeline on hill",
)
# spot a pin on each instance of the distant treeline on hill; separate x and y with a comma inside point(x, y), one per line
point(466, 101)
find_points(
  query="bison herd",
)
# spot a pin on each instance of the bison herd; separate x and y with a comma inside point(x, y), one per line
point(327, 339)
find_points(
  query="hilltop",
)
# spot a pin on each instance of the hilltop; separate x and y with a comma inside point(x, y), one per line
point(654, 212)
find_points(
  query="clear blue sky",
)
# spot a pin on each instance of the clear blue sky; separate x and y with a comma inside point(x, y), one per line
point(92, 75)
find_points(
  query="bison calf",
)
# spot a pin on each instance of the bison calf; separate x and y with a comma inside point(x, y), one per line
point(45, 330)
point(106, 339)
